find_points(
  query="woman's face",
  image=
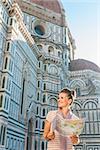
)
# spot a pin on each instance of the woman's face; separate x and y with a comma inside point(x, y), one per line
point(63, 100)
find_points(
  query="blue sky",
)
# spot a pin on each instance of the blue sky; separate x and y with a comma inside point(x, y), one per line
point(83, 18)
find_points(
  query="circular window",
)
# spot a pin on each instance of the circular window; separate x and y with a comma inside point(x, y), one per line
point(39, 30)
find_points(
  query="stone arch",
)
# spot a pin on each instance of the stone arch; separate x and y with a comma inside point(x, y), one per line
point(78, 85)
point(89, 102)
point(90, 110)
point(77, 105)
point(52, 101)
point(53, 70)
point(97, 85)
point(96, 82)
point(91, 117)
point(76, 108)
point(77, 82)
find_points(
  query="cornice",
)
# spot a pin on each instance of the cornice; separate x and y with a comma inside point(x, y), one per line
point(84, 73)
point(16, 11)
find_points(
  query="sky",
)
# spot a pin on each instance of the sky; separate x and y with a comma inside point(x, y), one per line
point(83, 19)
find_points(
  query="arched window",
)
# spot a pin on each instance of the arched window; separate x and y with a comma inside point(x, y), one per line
point(6, 62)
point(8, 46)
point(91, 115)
point(53, 102)
point(3, 82)
point(2, 135)
point(53, 70)
point(37, 110)
point(38, 96)
point(38, 83)
point(45, 67)
point(58, 53)
point(35, 145)
point(23, 91)
point(42, 145)
point(76, 108)
point(39, 64)
point(3, 139)
point(43, 125)
point(44, 98)
point(43, 112)
point(11, 21)
point(78, 93)
point(65, 56)
point(5, 103)
point(1, 100)
point(36, 125)
point(44, 86)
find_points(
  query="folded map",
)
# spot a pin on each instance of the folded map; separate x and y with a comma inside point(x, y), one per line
point(68, 127)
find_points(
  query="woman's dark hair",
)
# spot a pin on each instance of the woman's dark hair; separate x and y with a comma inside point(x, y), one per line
point(71, 93)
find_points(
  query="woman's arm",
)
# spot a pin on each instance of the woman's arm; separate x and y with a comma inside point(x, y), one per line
point(48, 134)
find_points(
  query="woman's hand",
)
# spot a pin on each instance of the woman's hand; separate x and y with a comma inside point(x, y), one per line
point(74, 139)
point(51, 136)
point(48, 133)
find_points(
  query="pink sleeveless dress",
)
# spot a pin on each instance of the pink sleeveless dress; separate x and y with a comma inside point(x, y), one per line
point(59, 142)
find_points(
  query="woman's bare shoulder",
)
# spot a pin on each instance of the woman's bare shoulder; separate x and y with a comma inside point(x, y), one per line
point(51, 114)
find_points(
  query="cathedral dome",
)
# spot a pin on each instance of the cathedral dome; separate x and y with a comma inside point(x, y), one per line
point(82, 64)
point(54, 5)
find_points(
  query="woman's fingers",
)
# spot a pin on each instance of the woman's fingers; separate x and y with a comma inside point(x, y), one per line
point(74, 139)
point(51, 136)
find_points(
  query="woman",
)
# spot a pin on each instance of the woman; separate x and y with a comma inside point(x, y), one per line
point(55, 140)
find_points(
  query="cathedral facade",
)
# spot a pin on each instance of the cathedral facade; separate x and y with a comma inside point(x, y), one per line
point(36, 61)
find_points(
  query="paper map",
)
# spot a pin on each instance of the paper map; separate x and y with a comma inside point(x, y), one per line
point(67, 127)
